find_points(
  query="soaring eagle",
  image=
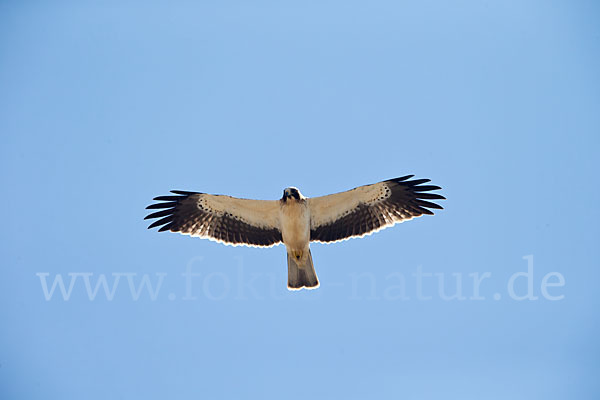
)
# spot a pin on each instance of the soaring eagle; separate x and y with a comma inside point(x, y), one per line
point(295, 220)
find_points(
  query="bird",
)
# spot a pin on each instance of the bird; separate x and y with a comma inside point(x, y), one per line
point(295, 220)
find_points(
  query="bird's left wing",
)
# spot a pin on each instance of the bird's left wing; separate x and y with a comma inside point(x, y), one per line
point(370, 208)
point(220, 218)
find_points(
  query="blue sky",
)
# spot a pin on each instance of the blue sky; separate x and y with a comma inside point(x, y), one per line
point(105, 106)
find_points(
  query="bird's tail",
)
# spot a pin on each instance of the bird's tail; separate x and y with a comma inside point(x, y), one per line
point(302, 274)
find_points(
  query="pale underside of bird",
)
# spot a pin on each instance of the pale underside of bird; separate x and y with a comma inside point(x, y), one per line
point(295, 220)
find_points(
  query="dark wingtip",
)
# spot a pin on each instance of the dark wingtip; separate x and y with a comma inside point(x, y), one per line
point(154, 225)
point(160, 214)
point(430, 196)
point(402, 178)
point(422, 193)
point(167, 227)
point(417, 182)
point(166, 208)
point(425, 188)
point(167, 198)
point(166, 220)
point(184, 192)
point(428, 204)
point(168, 204)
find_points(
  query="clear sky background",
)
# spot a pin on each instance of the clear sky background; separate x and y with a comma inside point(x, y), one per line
point(104, 106)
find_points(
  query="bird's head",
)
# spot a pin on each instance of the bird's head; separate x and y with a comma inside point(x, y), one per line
point(291, 193)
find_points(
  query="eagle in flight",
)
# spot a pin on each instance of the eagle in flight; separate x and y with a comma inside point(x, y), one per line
point(295, 220)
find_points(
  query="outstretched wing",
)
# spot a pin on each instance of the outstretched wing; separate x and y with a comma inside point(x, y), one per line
point(370, 208)
point(220, 218)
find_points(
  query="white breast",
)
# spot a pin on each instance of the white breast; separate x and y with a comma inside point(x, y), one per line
point(295, 224)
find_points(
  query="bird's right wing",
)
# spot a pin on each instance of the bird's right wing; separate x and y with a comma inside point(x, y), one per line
point(224, 219)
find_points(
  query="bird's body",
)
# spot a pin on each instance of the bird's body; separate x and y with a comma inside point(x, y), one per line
point(295, 220)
